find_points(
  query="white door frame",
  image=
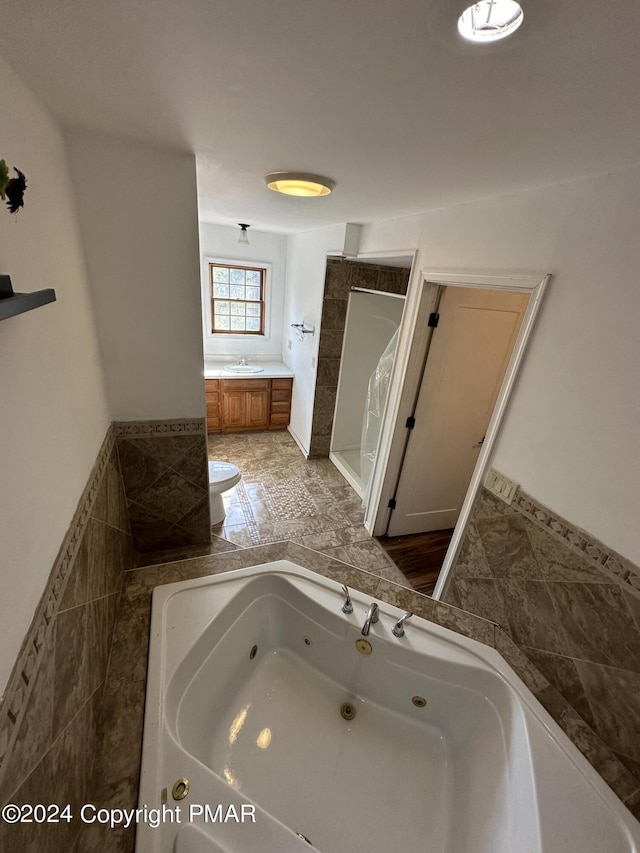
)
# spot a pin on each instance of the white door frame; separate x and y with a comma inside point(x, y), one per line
point(422, 295)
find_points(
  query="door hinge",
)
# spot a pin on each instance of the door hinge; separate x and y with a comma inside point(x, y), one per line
point(392, 503)
point(433, 320)
point(411, 422)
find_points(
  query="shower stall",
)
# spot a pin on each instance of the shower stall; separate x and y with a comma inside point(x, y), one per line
point(368, 350)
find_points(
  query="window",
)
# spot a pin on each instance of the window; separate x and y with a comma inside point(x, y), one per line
point(237, 299)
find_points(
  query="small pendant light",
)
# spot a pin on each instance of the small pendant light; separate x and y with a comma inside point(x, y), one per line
point(244, 237)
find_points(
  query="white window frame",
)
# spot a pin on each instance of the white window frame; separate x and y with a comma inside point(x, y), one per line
point(207, 323)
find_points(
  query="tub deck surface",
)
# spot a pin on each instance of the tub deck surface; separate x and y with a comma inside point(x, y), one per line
point(247, 675)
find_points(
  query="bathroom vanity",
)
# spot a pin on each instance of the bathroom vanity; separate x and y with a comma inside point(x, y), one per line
point(249, 403)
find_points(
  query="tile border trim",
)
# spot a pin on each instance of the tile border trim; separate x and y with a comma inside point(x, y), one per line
point(608, 561)
point(160, 429)
point(18, 690)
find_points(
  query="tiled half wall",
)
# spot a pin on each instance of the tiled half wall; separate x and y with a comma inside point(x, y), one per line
point(49, 715)
point(340, 277)
point(570, 604)
point(164, 467)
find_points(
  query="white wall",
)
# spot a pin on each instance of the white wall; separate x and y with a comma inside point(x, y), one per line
point(53, 414)
point(220, 242)
point(139, 222)
point(306, 266)
point(571, 437)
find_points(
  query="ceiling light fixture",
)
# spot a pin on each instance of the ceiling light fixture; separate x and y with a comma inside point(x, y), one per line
point(301, 184)
point(244, 237)
point(490, 20)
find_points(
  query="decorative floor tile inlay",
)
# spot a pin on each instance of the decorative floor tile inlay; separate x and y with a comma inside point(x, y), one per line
point(283, 496)
point(290, 500)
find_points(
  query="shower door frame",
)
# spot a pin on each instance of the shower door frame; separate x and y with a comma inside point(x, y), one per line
point(362, 489)
point(423, 293)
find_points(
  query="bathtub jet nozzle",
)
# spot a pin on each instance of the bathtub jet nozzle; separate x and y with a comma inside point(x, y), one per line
point(364, 646)
point(347, 711)
point(180, 789)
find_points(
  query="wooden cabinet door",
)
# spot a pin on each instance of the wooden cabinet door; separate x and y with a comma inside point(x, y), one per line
point(257, 409)
point(234, 410)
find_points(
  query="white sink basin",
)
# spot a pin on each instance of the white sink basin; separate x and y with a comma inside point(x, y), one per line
point(243, 368)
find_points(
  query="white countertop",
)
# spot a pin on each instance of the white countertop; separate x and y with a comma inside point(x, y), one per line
point(272, 370)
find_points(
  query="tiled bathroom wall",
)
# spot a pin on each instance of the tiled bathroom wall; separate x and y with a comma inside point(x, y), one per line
point(340, 277)
point(164, 467)
point(568, 602)
point(48, 718)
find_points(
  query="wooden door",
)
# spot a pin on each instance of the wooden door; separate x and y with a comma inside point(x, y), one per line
point(468, 358)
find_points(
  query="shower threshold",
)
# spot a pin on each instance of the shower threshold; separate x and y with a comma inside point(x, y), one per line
point(348, 463)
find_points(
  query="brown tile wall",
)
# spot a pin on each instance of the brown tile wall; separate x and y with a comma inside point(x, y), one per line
point(340, 277)
point(48, 719)
point(164, 467)
point(569, 604)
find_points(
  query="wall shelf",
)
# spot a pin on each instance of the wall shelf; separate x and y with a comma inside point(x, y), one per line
point(17, 303)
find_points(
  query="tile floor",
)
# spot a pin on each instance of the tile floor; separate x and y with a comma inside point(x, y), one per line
point(283, 496)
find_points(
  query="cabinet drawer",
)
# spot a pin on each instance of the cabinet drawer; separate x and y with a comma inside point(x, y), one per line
point(211, 385)
point(212, 397)
point(281, 384)
point(213, 425)
point(213, 410)
point(245, 384)
point(280, 409)
point(279, 421)
point(281, 396)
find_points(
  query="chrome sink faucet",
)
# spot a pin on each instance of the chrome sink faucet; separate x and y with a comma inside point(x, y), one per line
point(371, 618)
point(242, 362)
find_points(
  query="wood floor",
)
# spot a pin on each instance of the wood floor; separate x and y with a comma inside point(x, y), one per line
point(419, 556)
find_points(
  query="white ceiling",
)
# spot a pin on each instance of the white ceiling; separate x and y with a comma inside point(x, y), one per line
point(379, 95)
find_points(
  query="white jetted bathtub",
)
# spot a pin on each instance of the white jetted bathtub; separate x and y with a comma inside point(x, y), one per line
point(258, 696)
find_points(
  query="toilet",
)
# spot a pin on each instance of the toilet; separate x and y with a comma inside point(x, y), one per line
point(222, 477)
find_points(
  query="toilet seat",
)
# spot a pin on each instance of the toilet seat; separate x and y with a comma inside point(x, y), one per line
point(223, 476)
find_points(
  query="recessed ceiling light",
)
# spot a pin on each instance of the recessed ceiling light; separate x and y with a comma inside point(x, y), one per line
point(490, 20)
point(299, 183)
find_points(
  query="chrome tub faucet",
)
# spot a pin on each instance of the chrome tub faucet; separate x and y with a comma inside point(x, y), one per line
point(371, 618)
point(398, 628)
point(347, 607)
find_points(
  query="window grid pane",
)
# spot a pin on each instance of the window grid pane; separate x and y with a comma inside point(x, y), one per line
point(237, 299)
